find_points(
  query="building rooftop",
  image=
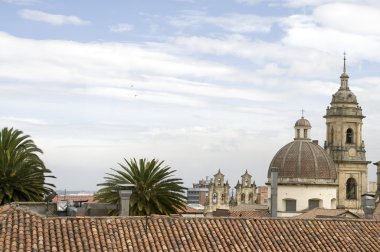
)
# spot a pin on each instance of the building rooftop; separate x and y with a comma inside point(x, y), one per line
point(22, 230)
point(327, 213)
point(79, 198)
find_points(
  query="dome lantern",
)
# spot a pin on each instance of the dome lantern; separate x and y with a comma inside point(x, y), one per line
point(302, 129)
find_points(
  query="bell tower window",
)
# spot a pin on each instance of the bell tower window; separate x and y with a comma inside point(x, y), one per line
point(214, 198)
point(351, 189)
point(298, 133)
point(349, 136)
point(305, 133)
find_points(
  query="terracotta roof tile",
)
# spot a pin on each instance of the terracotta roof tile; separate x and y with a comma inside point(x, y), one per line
point(21, 230)
point(327, 213)
point(82, 198)
point(250, 214)
point(247, 207)
point(190, 210)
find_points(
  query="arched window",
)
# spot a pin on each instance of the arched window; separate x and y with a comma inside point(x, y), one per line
point(305, 133)
point(349, 136)
point(351, 189)
point(298, 133)
point(214, 198)
point(242, 197)
point(332, 135)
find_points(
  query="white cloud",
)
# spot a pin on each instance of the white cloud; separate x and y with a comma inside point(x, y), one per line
point(238, 23)
point(53, 19)
point(138, 73)
point(351, 18)
point(273, 59)
point(146, 96)
point(124, 27)
point(335, 28)
point(10, 120)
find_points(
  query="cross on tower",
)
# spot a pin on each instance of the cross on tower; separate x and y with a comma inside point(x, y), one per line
point(302, 111)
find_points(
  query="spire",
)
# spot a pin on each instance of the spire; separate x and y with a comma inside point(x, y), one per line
point(344, 76)
point(344, 62)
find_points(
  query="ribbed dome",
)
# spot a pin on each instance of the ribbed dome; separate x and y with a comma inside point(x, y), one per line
point(303, 122)
point(305, 160)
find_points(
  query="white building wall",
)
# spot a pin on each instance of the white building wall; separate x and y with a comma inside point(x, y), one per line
point(302, 193)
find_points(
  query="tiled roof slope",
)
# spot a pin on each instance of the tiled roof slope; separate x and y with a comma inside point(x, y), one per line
point(23, 231)
point(250, 214)
point(83, 198)
point(323, 213)
point(248, 207)
point(191, 210)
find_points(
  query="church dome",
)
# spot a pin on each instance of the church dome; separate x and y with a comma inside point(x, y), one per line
point(344, 96)
point(302, 122)
point(302, 159)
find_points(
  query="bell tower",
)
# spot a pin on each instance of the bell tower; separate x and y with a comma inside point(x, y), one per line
point(246, 191)
point(218, 194)
point(344, 121)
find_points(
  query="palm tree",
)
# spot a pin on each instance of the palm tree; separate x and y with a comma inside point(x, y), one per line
point(155, 191)
point(22, 172)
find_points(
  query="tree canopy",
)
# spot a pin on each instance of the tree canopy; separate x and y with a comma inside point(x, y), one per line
point(156, 191)
point(22, 172)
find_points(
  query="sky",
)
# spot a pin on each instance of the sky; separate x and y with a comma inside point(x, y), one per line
point(201, 84)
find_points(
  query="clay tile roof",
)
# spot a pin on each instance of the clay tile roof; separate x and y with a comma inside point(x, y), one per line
point(248, 207)
point(251, 214)
point(82, 198)
point(190, 210)
point(22, 231)
point(327, 213)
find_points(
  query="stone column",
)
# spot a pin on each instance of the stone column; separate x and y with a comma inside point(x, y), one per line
point(125, 196)
point(274, 186)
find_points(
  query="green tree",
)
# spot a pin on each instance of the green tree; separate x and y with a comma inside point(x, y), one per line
point(155, 191)
point(22, 172)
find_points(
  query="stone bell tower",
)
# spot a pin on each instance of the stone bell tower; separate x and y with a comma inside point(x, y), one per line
point(246, 191)
point(344, 121)
point(218, 194)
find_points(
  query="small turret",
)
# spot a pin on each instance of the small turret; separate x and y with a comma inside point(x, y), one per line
point(302, 129)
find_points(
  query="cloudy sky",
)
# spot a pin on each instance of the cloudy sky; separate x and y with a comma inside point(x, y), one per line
point(201, 84)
